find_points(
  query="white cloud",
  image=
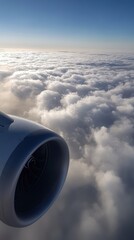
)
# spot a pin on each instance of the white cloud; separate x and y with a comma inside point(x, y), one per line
point(89, 99)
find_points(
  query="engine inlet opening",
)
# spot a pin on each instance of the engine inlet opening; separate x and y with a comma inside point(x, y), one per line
point(40, 180)
point(32, 171)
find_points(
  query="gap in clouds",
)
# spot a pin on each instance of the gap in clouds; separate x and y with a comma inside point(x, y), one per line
point(89, 100)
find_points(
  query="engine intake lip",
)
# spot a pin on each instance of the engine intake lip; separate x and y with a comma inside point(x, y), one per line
point(11, 212)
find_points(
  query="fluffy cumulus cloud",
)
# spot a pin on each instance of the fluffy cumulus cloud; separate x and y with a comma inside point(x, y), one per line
point(89, 100)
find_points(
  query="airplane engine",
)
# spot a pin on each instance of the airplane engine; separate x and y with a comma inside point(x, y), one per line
point(33, 167)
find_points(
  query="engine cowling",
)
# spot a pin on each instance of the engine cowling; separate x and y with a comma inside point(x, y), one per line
point(33, 167)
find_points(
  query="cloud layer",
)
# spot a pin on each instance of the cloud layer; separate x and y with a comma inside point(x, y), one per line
point(89, 100)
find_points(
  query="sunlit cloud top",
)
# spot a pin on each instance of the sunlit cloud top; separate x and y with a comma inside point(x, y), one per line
point(89, 100)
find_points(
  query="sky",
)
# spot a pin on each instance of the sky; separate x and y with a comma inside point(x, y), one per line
point(72, 24)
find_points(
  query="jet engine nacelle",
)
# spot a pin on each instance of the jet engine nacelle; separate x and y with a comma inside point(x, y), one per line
point(33, 166)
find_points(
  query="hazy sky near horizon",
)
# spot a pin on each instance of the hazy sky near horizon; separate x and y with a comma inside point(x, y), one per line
point(60, 24)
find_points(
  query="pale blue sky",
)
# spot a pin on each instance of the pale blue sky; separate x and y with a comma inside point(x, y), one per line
point(64, 24)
